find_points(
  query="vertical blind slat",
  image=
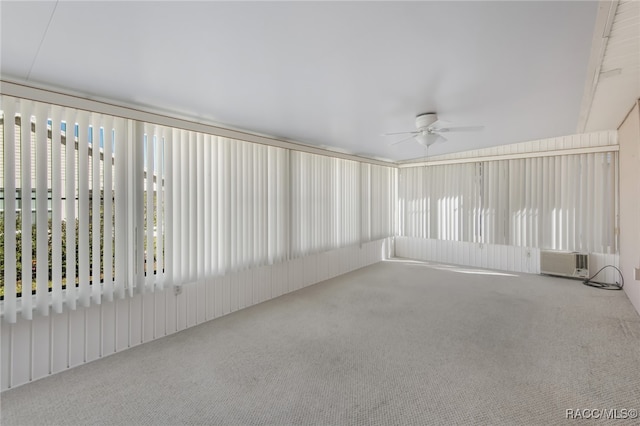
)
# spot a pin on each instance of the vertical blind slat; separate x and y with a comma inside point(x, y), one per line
point(9, 140)
point(137, 210)
point(83, 209)
point(191, 189)
point(207, 213)
point(120, 199)
point(169, 197)
point(160, 207)
point(42, 236)
point(56, 210)
point(215, 210)
point(132, 222)
point(149, 255)
point(25, 195)
point(199, 213)
point(70, 209)
point(180, 228)
point(107, 163)
point(95, 208)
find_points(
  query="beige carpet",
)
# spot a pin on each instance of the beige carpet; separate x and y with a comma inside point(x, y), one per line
point(394, 343)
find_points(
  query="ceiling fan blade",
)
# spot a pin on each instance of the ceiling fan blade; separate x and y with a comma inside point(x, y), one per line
point(440, 124)
point(400, 133)
point(403, 140)
point(459, 129)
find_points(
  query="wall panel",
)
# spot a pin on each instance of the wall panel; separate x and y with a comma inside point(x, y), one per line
point(218, 292)
point(77, 336)
point(234, 287)
point(585, 140)
point(159, 309)
point(92, 333)
point(210, 293)
point(32, 349)
point(493, 256)
point(263, 276)
point(41, 361)
point(6, 333)
point(21, 352)
point(122, 324)
point(247, 278)
point(135, 320)
point(629, 203)
point(226, 294)
point(108, 333)
point(148, 317)
point(171, 311)
point(59, 342)
point(190, 296)
point(201, 302)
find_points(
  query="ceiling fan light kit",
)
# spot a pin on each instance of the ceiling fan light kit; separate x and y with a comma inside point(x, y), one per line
point(429, 128)
point(428, 139)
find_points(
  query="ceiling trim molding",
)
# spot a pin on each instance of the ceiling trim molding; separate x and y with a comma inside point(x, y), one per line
point(132, 112)
point(595, 149)
point(604, 21)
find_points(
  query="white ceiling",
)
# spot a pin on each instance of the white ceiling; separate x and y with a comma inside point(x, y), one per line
point(331, 74)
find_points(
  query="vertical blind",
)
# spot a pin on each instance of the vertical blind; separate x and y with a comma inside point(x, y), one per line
point(95, 207)
point(378, 193)
point(61, 231)
point(441, 202)
point(563, 202)
point(570, 204)
point(324, 203)
point(338, 202)
point(75, 186)
point(226, 205)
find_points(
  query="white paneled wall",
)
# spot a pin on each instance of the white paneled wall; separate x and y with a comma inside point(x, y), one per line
point(492, 256)
point(33, 349)
point(578, 141)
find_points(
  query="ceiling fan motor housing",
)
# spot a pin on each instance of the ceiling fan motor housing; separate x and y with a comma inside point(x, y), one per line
point(423, 121)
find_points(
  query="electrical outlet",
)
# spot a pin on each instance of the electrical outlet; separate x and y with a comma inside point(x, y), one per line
point(177, 290)
point(637, 273)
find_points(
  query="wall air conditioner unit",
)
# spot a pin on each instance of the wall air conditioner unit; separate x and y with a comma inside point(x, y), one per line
point(564, 263)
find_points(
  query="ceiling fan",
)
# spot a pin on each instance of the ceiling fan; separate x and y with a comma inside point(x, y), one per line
point(429, 130)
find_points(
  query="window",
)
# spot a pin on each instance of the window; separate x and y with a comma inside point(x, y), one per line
point(563, 202)
point(114, 205)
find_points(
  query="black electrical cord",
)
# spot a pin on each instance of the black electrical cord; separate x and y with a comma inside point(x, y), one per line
point(605, 286)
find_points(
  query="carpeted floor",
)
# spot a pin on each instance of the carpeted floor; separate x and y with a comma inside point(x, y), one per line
point(398, 342)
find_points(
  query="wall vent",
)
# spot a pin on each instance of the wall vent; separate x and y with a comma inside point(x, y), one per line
point(564, 263)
